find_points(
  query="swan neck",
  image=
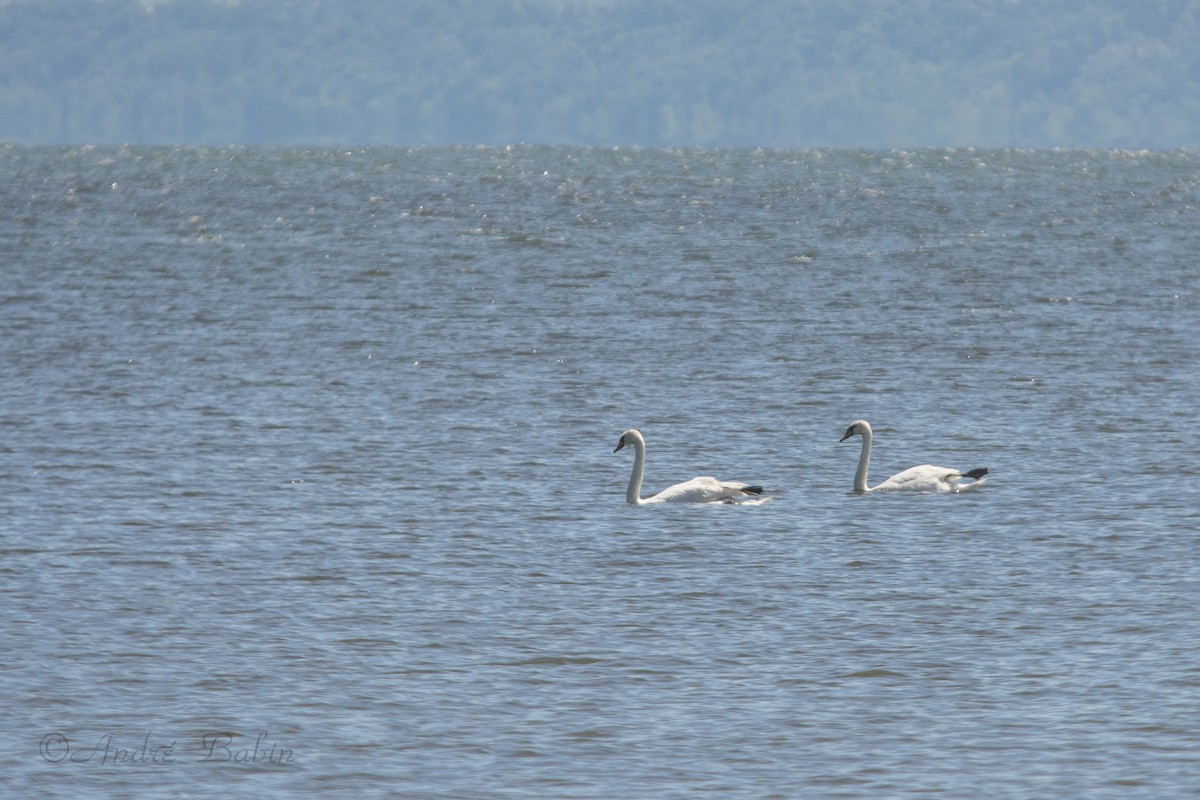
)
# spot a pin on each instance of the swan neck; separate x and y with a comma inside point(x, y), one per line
point(864, 463)
point(633, 494)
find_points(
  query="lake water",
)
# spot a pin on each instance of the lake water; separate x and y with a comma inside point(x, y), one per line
point(307, 485)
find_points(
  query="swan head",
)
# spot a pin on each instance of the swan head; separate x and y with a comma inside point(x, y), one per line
point(860, 427)
point(631, 436)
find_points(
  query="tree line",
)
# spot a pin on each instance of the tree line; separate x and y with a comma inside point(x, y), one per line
point(763, 73)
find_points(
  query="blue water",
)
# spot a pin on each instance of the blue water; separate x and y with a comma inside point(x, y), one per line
point(307, 484)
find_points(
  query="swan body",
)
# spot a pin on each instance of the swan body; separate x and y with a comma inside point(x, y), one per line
point(925, 478)
point(697, 490)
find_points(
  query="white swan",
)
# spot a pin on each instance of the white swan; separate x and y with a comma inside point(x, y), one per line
point(697, 490)
point(925, 478)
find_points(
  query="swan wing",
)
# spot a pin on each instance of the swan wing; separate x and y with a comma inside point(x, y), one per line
point(704, 490)
point(925, 478)
point(928, 478)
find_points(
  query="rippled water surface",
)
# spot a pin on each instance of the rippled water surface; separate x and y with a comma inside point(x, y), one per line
point(307, 484)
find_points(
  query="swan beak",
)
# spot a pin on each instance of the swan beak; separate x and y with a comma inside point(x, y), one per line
point(620, 444)
point(847, 436)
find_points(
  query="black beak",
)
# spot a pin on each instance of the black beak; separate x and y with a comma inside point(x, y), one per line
point(620, 444)
point(849, 433)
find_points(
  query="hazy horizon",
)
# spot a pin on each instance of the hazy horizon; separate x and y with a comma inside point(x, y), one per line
point(663, 73)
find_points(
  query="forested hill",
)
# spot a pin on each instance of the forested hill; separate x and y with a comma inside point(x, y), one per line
point(771, 73)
